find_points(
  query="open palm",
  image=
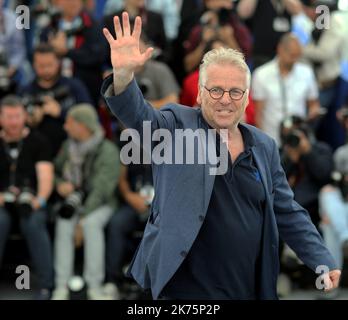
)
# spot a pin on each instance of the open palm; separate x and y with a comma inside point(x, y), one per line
point(124, 50)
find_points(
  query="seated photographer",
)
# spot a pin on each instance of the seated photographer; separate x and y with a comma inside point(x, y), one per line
point(334, 204)
point(307, 163)
point(86, 177)
point(49, 97)
point(77, 38)
point(26, 182)
point(136, 190)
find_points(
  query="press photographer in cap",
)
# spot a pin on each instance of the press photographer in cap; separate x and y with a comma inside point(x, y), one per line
point(87, 169)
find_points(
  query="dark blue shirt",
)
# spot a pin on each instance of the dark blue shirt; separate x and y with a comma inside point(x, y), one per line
point(223, 261)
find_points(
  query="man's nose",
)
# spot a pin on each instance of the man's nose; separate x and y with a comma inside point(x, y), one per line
point(225, 98)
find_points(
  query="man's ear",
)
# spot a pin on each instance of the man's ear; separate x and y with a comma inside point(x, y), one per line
point(199, 100)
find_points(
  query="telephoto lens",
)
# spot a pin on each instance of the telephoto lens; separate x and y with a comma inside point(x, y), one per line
point(24, 203)
point(71, 205)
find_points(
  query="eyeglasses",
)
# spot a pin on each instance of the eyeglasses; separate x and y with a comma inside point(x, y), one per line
point(217, 93)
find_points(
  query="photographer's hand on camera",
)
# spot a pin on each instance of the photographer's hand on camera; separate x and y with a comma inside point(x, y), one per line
point(51, 107)
point(226, 35)
point(65, 188)
point(304, 147)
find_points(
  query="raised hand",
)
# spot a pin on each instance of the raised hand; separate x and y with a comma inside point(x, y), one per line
point(124, 50)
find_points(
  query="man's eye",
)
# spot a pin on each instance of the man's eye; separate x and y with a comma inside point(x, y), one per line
point(216, 90)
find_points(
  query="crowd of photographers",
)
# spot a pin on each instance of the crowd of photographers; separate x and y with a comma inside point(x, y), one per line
point(61, 179)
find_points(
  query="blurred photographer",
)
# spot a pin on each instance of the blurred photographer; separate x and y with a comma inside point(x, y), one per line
point(26, 182)
point(218, 22)
point(334, 203)
point(307, 163)
point(137, 192)
point(12, 52)
point(86, 177)
point(77, 38)
point(50, 95)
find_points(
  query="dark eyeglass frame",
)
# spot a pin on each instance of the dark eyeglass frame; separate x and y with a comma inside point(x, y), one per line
point(223, 92)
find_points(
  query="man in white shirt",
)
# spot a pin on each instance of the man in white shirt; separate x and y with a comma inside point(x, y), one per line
point(284, 87)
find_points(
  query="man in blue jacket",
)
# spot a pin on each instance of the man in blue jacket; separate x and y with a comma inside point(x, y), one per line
point(212, 236)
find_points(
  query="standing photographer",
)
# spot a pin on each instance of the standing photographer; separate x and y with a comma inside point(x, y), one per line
point(49, 97)
point(87, 171)
point(26, 181)
point(77, 38)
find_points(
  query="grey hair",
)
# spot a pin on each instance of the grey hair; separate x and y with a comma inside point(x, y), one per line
point(226, 56)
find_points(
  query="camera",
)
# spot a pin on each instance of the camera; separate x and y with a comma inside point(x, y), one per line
point(20, 203)
point(291, 130)
point(33, 101)
point(224, 16)
point(340, 180)
point(71, 204)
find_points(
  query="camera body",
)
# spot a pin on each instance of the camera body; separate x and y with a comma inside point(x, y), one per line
point(37, 101)
point(291, 130)
point(21, 202)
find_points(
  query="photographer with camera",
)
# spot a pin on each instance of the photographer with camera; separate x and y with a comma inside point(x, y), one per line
point(77, 38)
point(218, 22)
point(50, 95)
point(307, 163)
point(26, 182)
point(334, 203)
point(137, 192)
point(86, 177)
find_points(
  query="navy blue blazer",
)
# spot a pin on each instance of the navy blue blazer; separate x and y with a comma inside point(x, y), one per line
point(182, 195)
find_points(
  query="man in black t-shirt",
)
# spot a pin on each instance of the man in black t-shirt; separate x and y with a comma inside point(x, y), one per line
point(49, 97)
point(26, 181)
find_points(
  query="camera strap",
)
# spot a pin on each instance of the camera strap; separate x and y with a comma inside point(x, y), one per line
point(284, 97)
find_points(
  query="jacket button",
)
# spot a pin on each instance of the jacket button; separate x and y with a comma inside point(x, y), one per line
point(183, 254)
point(201, 218)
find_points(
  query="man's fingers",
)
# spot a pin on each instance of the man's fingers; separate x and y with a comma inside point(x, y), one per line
point(137, 28)
point(118, 29)
point(125, 24)
point(108, 35)
point(147, 54)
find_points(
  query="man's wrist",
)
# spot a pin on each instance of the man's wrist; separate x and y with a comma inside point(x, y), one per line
point(42, 202)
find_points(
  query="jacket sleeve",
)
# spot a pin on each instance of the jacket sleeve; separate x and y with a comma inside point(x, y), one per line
point(293, 221)
point(104, 177)
point(132, 110)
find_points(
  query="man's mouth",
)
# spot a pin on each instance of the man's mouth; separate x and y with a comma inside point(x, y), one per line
point(224, 111)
